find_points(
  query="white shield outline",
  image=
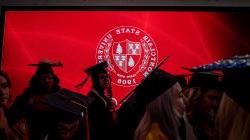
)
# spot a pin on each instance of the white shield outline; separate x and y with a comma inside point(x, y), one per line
point(124, 56)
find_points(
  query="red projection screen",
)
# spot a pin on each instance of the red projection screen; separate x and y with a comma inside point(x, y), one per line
point(132, 41)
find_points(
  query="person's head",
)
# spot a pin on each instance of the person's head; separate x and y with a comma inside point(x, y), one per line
point(100, 77)
point(204, 101)
point(210, 101)
point(236, 77)
point(155, 85)
point(233, 116)
point(44, 78)
point(206, 93)
point(68, 111)
point(101, 81)
point(164, 104)
point(44, 82)
point(4, 88)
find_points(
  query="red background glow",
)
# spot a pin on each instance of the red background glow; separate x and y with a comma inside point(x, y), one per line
point(189, 38)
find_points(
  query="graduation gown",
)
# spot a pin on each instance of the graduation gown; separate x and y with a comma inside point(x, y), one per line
point(100, 118)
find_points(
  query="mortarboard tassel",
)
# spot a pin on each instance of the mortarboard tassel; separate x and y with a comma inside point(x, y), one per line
point(78, 86)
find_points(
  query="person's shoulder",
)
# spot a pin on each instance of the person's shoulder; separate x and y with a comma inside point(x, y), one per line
point(23, 97)
point(92, 94)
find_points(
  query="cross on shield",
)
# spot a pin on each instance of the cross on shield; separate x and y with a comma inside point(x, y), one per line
point(126, 54)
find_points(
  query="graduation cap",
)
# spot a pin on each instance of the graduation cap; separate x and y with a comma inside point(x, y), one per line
point(205, 80)
point(45, 66)
point(233, 63)
point(132, 107)
point(68, 102)
point(236, 77)
point(151, 87)
point(93, 71)
point(98, 68)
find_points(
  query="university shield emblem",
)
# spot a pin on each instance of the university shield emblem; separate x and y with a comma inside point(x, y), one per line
point(126, 54)
point(130, 52)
